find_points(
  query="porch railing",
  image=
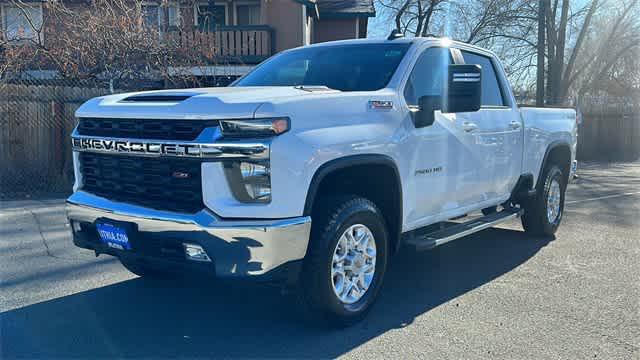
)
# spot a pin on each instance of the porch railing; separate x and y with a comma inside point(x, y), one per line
point(237, 44)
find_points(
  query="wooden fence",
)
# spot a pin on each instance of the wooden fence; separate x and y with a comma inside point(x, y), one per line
point(35, 125)
point(609, 131)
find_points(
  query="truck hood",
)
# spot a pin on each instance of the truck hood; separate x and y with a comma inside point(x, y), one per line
point(204, 103)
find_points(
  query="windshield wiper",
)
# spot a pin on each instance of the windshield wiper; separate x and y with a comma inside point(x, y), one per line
point(312, 88)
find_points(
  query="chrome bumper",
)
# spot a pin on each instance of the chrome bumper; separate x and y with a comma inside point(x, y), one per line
point(237, 248)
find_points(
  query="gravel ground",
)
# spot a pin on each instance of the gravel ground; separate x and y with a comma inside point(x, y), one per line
point(495, 294)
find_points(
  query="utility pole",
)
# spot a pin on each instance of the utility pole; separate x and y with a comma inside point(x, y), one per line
point(541, 42)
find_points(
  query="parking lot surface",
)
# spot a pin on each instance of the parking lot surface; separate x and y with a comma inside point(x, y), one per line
point(495, 294)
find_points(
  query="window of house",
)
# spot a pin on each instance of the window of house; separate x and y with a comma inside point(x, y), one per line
point(208, 17)
point(150, 15)
point(22, 22)
point(491, 91)
point(153, 15)
point(428, 76)
point(174, 15)
point(248, 14)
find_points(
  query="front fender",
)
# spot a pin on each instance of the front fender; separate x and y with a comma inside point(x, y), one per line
point(298, 161)
point(342, 163)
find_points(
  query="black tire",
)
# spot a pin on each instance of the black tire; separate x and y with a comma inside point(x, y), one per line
point(144, 270)
point(535, 220)
point(332, 218)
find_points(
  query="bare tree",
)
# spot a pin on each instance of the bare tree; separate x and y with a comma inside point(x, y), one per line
point(414, 17)
point(16, 47)
point(106, 40)
point(486, 20)
point(612, 44)
point(579, 56)
point(569, 32)
point(507, 27)
point(540, 53)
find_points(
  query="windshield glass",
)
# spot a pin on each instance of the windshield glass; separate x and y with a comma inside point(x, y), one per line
point(361, 67)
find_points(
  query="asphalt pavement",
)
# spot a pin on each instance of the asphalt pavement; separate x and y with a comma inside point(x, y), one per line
point(495, 294)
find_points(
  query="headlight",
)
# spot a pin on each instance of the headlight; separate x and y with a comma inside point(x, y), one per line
point(254, 127)
point(249, 182)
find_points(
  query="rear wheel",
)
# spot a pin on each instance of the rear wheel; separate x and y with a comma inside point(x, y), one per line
point(543, 214)
point(346, 261)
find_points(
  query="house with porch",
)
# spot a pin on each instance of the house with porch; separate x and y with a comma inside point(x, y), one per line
point(241, 33)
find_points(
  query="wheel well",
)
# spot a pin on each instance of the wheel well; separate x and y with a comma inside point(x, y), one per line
point(561, 156)
point(377, 181)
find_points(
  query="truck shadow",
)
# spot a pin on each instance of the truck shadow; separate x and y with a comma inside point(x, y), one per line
point(144, 318)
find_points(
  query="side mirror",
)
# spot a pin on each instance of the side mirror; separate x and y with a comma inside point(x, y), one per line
point(463, 92)
point(427, 105)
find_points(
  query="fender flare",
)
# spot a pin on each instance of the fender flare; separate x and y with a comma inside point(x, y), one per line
point(356, 160)
point(342, 163)
point(552, 146)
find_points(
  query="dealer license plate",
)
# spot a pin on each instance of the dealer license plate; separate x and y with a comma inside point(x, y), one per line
point(113, 236)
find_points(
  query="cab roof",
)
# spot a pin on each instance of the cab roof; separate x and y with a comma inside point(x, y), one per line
point(416, 40)
point(395, 41)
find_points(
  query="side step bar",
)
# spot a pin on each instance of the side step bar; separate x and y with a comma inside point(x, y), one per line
point(436, 238)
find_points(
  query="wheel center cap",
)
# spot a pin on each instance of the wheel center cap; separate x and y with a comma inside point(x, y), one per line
point(358, 262)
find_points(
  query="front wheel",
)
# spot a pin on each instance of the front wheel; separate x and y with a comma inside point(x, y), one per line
point(543, 214)
point(346, 261)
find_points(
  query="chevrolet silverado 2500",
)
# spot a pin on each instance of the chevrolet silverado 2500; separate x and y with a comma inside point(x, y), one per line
point(316, 166)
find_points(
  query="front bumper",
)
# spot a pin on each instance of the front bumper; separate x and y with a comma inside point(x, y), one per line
point(237, 248)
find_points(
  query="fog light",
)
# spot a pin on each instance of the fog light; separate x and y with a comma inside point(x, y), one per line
point(195, 252)
point(258, 192)
point(76, 226)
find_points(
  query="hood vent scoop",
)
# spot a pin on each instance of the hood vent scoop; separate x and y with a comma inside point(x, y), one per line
point(158, 98)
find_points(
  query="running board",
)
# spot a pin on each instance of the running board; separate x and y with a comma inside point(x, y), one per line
point(436, 238)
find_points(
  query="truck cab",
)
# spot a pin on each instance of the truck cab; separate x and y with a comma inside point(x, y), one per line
point(317, 166)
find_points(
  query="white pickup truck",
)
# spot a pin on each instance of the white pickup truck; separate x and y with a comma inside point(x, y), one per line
point(314, 168)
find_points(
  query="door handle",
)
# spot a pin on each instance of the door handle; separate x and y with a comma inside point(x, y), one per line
point(514, 124)
point(469, 126)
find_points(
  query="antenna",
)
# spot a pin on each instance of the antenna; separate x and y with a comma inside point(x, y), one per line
point(395, 34)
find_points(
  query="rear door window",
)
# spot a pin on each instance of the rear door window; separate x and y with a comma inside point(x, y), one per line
point(491, 91)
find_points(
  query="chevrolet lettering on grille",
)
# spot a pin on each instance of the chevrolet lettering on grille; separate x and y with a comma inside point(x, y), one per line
point(141, 147)
point(218, 149)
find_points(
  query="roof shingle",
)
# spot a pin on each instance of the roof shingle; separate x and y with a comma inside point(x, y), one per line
point(355, 7)
point(341, 8)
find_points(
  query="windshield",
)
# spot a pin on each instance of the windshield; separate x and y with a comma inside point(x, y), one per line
point(361, 67)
